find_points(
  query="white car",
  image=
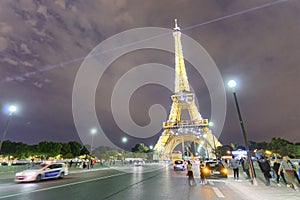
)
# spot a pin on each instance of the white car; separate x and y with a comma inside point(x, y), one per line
point(138, 163)
point(41, 172)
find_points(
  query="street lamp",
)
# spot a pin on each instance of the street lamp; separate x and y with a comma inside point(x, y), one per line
point(232, 84)
point(124, 139)
point(11, 110)
point(211, 124)
point(93, 132)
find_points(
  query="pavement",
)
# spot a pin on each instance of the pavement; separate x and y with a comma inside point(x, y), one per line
point(243, 187)
point(261, 191)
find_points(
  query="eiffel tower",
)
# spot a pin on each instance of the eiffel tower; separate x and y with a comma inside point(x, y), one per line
point(176, 130)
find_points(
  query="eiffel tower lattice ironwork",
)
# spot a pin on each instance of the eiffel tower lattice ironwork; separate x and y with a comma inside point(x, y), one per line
point(176, 130)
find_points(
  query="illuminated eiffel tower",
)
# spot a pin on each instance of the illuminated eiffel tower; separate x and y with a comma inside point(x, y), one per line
point(176, 130)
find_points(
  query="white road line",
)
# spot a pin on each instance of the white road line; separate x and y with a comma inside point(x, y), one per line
point(60, 186)
point(218, 192)
point(211, 183)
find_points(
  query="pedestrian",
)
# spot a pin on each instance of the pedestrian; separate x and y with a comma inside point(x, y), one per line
point(272, 172)
point(295, 171)
point(275, 167)
point(265, 167)
point(71, 163)
point(246, 167)
point(299, 170)
point(242, 163)
point(235, 166)
point(288, 169)
point(84, 165)
point(202, 177)
point(190, 173)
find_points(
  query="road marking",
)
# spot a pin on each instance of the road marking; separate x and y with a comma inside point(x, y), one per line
point(60, 186)
point(218, 192)
point(211, 183)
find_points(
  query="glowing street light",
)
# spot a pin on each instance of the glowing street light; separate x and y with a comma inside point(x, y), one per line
point(93, 132)
point(151, 147)
point(124, 139)
point(11, 110)
point(232, 84)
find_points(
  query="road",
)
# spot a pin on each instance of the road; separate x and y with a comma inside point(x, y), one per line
point(147, 182)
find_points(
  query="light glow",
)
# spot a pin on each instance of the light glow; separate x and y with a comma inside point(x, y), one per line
point(232, 83)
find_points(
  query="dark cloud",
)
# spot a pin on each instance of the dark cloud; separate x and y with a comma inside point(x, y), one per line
point(42, 44)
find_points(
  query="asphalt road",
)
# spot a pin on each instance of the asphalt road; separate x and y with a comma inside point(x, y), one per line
point(127, 183)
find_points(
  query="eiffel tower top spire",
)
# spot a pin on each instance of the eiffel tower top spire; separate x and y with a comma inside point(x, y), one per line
point(181, 80)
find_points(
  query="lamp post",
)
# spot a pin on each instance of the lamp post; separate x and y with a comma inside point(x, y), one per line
point(232, 85)
point(211, 124)
point(93, 132)
point(124, 140)
point(11, 110)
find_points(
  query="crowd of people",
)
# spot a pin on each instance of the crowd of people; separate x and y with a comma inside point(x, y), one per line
point(272, 169)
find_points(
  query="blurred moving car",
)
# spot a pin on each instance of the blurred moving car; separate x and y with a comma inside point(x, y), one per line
point(41, 172)
point(179, 165)
point(214, 169)
point(138, 163)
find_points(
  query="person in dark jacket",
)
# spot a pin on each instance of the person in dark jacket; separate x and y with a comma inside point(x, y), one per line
point(265, 167)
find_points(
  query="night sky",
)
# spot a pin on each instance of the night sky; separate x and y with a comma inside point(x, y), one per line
point(44, 43)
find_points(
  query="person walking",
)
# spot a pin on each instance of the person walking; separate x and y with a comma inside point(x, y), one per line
point(246, 167)
point(190, 173)
point(235, 166)
point(299, 170)
point(202, 177)
point(287, 167)
point(278, 173)
point(272, 172)
point(265, 167)
point(295, 171)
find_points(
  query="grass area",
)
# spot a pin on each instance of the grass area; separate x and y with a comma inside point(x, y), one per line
point(9, 171)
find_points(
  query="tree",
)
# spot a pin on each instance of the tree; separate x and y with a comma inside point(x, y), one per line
point(84, 151)
point(140, 148)
point(281, 146)
point(222, 151)
point(65, 149)
point(47, 149)
point(75, 148)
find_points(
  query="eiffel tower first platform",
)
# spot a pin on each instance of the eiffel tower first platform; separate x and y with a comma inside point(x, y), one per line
point(176, 130)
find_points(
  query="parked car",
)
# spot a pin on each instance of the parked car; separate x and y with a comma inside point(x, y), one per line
point(179, 165)
point(41, 172)
point(214, 169)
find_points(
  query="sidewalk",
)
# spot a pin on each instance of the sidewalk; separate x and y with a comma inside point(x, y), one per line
point(261, 191)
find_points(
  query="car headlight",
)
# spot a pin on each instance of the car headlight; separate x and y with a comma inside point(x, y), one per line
point(19, 174)
point(206, 170)
point(225, 171)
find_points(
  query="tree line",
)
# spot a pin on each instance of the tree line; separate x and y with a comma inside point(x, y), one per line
point(278, 146)
point(43, 149)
